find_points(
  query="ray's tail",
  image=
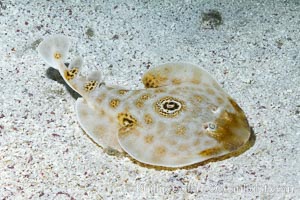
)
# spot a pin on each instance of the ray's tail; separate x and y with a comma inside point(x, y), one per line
point(54, 50)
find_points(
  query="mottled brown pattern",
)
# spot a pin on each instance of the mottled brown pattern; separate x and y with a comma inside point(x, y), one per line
point(122, 92)
point(211, 152)
point(227, 125)
point(91, 85)
point(126, 120)
point(176, 81)
point(140, 101)
point(195, 81)
point(210, 91)
point(57, 56)
point(70, 74)
point(153, 81)
point(148, 119)
point(114, 103)
point(180, 130)
point(160, 151)
point(149, 139)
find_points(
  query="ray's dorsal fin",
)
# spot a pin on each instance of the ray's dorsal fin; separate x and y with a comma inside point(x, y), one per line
point(173, 74)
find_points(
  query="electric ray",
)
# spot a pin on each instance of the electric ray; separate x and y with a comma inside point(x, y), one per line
point(182, 117)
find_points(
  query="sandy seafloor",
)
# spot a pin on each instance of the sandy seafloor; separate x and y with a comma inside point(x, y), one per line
point(254, 55)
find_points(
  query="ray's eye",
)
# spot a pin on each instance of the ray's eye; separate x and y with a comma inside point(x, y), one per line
point(210, 126)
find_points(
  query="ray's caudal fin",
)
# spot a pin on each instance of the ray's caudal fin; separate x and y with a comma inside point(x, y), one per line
point(54, 50)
